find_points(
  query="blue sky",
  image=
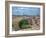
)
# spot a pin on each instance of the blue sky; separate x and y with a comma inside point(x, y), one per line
point(25, 11)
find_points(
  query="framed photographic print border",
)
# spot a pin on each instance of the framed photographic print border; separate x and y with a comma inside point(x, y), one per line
point(7, 18)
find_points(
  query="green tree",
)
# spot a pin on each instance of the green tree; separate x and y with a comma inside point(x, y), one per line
point(23, 24)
